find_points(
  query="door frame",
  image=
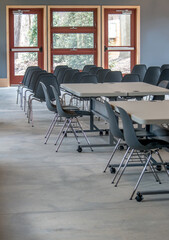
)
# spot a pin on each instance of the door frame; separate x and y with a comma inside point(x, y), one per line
point(43, 7)
point(97, 7)
point(137, 8)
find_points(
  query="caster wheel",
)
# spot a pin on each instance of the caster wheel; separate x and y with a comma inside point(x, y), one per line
point(112, 170)
point(158, 168)
point(139, 197)
point(121, 148)
point(79, 149)
point(101, 133)
point(106, 132)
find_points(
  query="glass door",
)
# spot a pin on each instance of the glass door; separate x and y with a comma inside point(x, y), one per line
point(73, 37)
point(120, 39)
point(26, 41)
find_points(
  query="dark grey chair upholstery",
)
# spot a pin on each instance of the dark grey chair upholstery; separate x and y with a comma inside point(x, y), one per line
point(57, 68)
point(101, 74)
point(164, 66)
point(88, 67)
point(94, 70)
point(131, 78)
point(152, 75)
point(139, 69)
point(113, 76)
point(164, 75)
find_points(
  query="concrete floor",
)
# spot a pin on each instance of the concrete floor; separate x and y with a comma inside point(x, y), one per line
point(46, 195)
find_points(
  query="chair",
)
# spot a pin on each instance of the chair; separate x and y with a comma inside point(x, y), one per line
point(94, 70)
point(113, 76)
point(52, 107)
point(131, 78)
point(101, 73)
point(88, 79)
point(23, 82)
point(69, 116)
point(88, 67)
point(147, 145)
point(38, 94)
point(76, 78)
point(152, 75)
point(164, 75)
point(139, 69)
point(57, 68)
point(164, 66)
point(61, 74)
point(69, 75)
point(163, 84)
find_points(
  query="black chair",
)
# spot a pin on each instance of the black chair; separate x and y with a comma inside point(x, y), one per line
point(148, 145)
point(152, 75)
point(38, 94)
point(69, 75)
point(101, 75)
point(163, 84)
point(70, 116)
point(164, 75)
point(94, 70)
point(88, 79)
point(52, 107)
point(76, 78)
point(88, 67)
point(22, 84)
point(57, 68)
point(139, 69)
point(61, 74)
point(131, 78)
point(164, 66)
point(113, 76)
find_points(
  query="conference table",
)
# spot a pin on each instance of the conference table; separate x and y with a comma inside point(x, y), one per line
point(93, 92)
point(146, 113)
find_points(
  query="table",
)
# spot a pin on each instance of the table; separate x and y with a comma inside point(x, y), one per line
point(123, 89)
point(146, 112)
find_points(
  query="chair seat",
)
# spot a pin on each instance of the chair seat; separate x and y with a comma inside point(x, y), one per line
point(153, 143)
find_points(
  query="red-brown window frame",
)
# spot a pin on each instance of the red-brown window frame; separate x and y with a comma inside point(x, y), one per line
point(68, 51)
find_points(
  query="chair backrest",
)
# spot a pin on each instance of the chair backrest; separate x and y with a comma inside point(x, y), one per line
point(113, 122)
point(34, 78)
point(113, 76)
point(57, 68)
point(88, 67)
point(164, 66)
point(49, 105)
point(29, 75)
point(48, 79)
point(139, 69)
point(60, 110)
point(27, 71)
point(101, 75)
point(61, 74)
point(163, 84)
point(77, 77)
point(152, 75)
point(131, 78)
point(69, 75)
point(88, 79)
point(164, 75)
point(94, 70)
point(129, 132)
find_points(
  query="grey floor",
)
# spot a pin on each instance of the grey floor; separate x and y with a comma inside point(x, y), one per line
point(58, 196)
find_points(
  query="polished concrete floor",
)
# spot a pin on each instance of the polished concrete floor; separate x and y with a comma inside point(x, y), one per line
point(46, 195)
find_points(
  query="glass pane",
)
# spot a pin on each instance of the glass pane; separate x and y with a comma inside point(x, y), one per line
point(119, 31)
point(24, 60)
point(73, 61)
point(73, 40)
point(71, 19)
point(119, 61)
point(25, 30)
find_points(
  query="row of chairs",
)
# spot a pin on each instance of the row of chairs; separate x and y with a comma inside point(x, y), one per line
point(142, 144)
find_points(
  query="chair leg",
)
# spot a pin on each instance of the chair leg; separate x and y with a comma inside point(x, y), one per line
point(120, 165)
point(69, 122)
point(154, 173)
point(114, 150)
point(84, 134)
point(141, 175)
point(75, 134)
point(157, 152)
point(51, 127)
point(61, 131)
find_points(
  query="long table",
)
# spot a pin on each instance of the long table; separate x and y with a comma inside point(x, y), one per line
point(122, 89)
point(146, 112)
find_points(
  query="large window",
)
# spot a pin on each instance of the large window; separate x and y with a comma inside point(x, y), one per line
point(73, 37)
